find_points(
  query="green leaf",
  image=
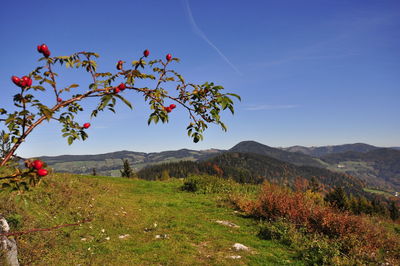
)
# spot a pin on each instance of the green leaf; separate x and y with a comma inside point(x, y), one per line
point(104, 101)
point(235, 95)
point(124, 100)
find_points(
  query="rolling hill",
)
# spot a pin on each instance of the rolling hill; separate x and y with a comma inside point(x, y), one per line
point(110, 163)
point(324, 150)
point(286, 156)
point(379, 167)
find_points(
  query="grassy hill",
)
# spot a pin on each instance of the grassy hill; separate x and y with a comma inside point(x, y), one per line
point(127, 215)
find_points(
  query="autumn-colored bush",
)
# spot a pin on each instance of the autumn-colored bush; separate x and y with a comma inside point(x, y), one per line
point(358, 236)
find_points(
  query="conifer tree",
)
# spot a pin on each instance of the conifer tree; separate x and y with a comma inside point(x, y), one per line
point(127, 171)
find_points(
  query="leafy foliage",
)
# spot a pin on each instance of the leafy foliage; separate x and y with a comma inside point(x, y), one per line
point(204, 102)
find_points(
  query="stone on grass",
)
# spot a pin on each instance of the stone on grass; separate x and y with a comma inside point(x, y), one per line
point(239, 247)
point(227, 223)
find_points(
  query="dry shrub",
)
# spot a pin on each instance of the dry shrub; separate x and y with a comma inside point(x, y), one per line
point(358, 236)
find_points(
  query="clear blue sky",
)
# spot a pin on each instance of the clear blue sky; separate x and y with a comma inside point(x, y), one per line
point(309, 72)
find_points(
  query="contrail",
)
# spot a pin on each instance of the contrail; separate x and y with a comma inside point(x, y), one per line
point(199, 32)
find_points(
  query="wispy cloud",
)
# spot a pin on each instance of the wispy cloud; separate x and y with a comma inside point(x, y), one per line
point(199, 32)
point(260, 107)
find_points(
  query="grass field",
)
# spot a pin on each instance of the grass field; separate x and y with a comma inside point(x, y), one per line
point(134, 222)
point(381, 192)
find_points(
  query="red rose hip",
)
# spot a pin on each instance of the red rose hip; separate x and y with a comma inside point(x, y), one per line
point(168, 57)
point(121, 86)
point(86, 125)
point(46, 53)
point(146, 53)
point(172, 106)
point(16, 80)
point(42, 172)
point(119, 64)
point(25, 82)
point(44, 48)
point(37, 164)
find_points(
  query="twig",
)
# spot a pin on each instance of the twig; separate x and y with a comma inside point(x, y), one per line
point(45, 229)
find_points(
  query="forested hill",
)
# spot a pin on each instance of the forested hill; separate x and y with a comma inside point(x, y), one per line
point(286, 156)
point(252, 168)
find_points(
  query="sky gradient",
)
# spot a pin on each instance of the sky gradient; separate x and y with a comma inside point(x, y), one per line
point(310, 73)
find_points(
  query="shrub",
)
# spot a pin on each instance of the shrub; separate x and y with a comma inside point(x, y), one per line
point(208, 184)
point(355, 236)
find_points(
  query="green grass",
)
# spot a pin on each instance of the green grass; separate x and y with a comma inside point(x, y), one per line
point(380, 192)
point(124, 206)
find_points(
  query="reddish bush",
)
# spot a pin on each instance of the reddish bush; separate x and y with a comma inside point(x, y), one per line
point(358, 235)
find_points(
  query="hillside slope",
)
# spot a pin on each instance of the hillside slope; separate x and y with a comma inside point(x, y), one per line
point(134, 222)
point(253, 168)
point(379, 167)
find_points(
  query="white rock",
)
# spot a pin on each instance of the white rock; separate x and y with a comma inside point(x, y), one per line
point(123, 236)
point(238, 247)
point(234, 257)
point(83, 239)
point(161, 236)
point(107, 238)
point(226, 223)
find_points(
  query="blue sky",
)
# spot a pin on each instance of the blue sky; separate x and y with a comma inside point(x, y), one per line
point(309, 72)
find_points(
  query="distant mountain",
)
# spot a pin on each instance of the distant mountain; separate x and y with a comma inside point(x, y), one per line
point(253, 168)
point(379, 167)
point(324, 150)
point(110, 163)
point(296, 158)
point(395, 148)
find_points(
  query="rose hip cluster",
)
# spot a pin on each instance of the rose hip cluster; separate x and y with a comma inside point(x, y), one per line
point(38, 165)
point(23, 82)
point(120, 88)
point(169, 108)
point(44, 50)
